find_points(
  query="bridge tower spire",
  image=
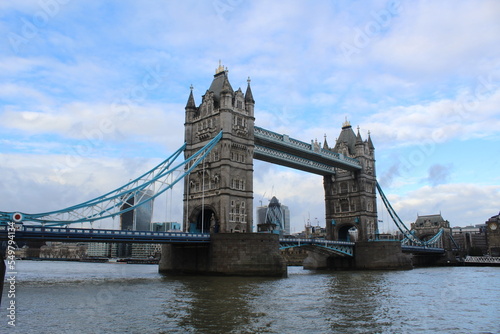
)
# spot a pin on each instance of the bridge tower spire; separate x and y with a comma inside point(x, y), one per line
point(350, 198)
point(218, 194)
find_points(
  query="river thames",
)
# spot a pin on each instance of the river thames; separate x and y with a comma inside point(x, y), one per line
point(72, 297)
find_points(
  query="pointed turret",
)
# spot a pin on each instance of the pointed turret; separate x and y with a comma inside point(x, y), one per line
point(248, 93)
point(358, 138)
point(190, 106)
point(190, 103)
point(360, 146)
point(325, 144)
point(249, 101)
point(370, 144)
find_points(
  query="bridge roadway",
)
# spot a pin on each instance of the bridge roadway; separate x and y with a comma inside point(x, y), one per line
point(69, 234)
point(283, 150)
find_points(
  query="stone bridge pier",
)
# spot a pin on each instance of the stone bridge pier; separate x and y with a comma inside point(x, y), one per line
point(368, 255)
point(241, 254)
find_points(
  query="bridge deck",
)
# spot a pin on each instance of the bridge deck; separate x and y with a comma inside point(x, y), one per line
point(422, 249)
point(69, 234)
point(338, 248)
point(27, 233)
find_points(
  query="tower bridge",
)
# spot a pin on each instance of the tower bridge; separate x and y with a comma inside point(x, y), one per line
point(219, 195)
point(221, 143)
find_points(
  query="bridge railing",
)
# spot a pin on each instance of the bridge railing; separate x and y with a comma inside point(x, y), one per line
point(422, 249)
point(482, 260)
point(315, 241)
point(342, 248)
point(35, 232)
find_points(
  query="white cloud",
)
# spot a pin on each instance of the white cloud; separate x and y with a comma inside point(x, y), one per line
point(432, 38)
point(16, 92)
point(438, 121)
point(101, 123)
point(461, 204)
point(42, 183)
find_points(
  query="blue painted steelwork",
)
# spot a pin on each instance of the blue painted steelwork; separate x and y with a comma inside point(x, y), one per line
point(409, 236)
point(432, 241)
point(422, 249)
point(281, 149)
point(112, 204)
point(457, 247)
point(342, 248)
point(293, 161)
point(34, 233)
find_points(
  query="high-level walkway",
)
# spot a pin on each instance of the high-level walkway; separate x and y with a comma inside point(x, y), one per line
point(283, 150)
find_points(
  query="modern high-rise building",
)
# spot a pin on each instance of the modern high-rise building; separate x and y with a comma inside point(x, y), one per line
point(273, 218)
point(138, 219)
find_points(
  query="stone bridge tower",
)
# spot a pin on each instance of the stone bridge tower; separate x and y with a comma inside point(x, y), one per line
point(350, 198)
point(218, 194)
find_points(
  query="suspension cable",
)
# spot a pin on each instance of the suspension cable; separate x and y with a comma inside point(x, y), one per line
point(113, 203)
point(409, 236)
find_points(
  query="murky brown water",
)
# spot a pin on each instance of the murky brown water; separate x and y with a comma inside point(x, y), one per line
point(66, 297)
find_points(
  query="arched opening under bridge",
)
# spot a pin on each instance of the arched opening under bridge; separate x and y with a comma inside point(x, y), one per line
point(203, 220)
point(348, 233)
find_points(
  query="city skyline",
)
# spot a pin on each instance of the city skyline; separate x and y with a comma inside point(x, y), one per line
point(93, 95)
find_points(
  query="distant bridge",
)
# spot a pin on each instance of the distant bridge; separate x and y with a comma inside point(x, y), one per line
point(346, 248)
point(330, 247)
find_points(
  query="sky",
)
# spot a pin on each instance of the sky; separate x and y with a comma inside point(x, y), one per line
point(92, 94)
